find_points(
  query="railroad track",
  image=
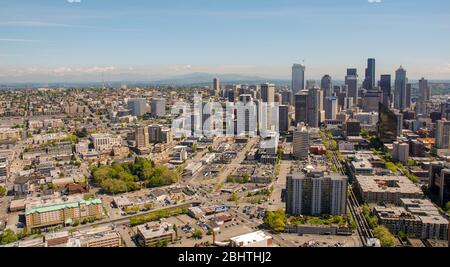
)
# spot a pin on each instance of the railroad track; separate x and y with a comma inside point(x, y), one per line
point(363, 228)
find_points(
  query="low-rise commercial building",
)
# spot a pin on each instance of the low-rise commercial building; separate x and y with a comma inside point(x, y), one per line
point(387, 189)
point(255, 239)
point(150, 235)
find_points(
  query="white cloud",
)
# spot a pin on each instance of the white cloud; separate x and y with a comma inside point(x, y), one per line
point(14, 40)
point(33, 24)
point(73, 1)
point(57, 72)
point(374, 1)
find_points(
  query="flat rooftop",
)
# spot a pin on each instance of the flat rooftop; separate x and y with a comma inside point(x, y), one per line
point(390, 184)
point(247, 239)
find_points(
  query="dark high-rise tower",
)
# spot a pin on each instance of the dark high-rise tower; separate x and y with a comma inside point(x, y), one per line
point(301, 107)
point(401, 81)
point(351, 80)
point(369, 81)
point(386, 89)
point(326, 85)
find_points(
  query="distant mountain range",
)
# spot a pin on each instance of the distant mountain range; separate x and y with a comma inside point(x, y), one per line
point(206, 78)
point(133, 79)
point(192, 79)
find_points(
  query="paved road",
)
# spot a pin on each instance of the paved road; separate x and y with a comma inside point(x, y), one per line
point(236, 162)
point(126, 237)
point(126, 219)
point(278, 186)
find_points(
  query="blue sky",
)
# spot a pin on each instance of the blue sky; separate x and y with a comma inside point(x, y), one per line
point(57, 38)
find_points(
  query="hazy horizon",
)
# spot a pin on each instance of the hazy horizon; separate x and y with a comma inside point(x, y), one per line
point(91, 40)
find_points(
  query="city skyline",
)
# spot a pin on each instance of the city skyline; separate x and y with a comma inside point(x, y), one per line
point(55, 41)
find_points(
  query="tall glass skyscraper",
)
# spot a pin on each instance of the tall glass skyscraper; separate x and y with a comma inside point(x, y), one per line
point(369, 81)
point(326, 84)
point(389, 124)
point(351, 80)
point(298, 78)
point(400, 99)
point(385, 85)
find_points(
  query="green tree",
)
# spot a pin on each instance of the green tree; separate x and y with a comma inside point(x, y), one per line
point(197, 234)
point(386, 238)
point(234, 197)
point(364, 133)
point(411, 162)
point(245, 178)
point(83, 133)
point(8, 237)
point(276, 220)
point(391, 166)
point(2, 191)
point(447, 206)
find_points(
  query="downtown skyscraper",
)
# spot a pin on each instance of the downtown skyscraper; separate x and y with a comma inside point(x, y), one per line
point(424, 90)
point(401, 81)
point(369, 81)
point(326, 84)
point(386, 89)
point(351, 80)
point(298, 78)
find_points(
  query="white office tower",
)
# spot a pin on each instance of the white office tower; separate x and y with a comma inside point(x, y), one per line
point(442, 134)
point(216, 86)
point(331, 107)
point(301, 142)
point(246, 116)
point(213, 118)
point(158, 107)
point(400, 99)
point(401, 151)
point(268, 102)
point(298, 78)
point(138, 106)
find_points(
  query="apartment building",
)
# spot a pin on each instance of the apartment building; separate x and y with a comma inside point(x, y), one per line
point(61, 211)
point(416, 217)
point(316, 192)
